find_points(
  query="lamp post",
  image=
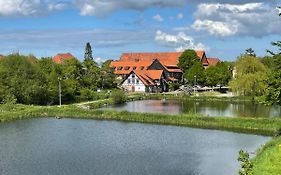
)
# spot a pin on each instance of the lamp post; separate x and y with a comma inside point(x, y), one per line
point(59, 90)
point(194, 83)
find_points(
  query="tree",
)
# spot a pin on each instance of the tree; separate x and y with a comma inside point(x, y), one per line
point(273, 94)
point(195, 75)
point(251, 76)
point(187, 60)
point(250, 52)
point(88, 52)
point(218, 74)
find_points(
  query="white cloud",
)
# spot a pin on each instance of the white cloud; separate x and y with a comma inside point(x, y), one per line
point(158, 18)
point(179, 41)
point(251, 19)
point(19, 8)
point(180, 16)
point(103, 8)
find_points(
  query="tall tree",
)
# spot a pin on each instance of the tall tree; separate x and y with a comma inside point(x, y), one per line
point(273, 94)
point(195, 75)
point(251, 76)
point(88, 52)
point(187, 59)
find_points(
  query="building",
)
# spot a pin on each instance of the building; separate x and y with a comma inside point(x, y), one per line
point(61, 57)
point(164, 61)
point(145, 81)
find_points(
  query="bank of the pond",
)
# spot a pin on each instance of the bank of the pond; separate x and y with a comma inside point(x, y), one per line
point(268, 158)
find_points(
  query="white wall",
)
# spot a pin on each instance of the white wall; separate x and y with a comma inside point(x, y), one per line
point(139, 87)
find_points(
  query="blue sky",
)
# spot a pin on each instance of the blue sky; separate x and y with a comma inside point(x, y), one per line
point(224, 28)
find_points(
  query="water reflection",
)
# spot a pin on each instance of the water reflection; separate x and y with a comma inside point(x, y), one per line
point(87, 147)
point(209, 108)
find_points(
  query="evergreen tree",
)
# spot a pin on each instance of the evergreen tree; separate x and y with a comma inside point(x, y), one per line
point(88, 52)
point(250, 52)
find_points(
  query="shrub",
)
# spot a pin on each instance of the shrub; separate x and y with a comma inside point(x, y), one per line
point(118, 97)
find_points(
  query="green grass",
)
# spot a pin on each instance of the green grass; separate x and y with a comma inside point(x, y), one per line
point(268, 159)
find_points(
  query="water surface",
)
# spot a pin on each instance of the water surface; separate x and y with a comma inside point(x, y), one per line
point(210, 108)
point(87, 147)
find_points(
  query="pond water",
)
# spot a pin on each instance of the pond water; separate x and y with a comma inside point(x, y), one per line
point(87, 147)
point(210, 108)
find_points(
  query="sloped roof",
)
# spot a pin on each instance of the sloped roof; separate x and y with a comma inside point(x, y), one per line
point(61, 57)
point(213, 61)
point(147, 77)
point(130, 66)
point(166, 58)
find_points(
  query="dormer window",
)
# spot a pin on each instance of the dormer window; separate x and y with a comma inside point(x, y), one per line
point(119, 68)
point(134, 68)
point(141, 68)
point(127, 68)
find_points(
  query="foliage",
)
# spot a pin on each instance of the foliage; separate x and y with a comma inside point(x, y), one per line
point(118, 97)
point(196, 75)
point(273, 94)
point(187, 60)
point(246, 164)
point(218, 74)
point(88, 52)
point(35, 81)
point(250, 78)
point(174, 86)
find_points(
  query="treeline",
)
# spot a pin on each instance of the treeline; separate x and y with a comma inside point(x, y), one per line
point(27, 80)
point(195, 73)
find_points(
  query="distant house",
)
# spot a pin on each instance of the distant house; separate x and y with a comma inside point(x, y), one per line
point(164, 61)
point(213, 61)
point(145, 81)
point(61, 57)
point(1, 57)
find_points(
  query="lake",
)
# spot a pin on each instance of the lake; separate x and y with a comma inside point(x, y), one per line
point(210, 108)
point(87, 147)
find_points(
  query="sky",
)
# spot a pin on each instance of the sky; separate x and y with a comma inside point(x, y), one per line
point(223, 28)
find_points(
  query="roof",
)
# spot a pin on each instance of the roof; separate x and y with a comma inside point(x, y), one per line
point(166, 58)
point(147, 77)
point(213, 61)
point(130, 65)
point(61, 57)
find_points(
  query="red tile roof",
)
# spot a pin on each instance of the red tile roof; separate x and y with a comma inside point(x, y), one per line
point(147, 77)
point(166, 58)
point(61, 57)
point(213, 61)
point(128, 66)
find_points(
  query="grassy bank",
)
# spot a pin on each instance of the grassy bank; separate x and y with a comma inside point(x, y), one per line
point(268, 159)
point(262, 126)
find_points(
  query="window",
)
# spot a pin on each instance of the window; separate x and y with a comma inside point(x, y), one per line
point(134, 68)
point(127, 68)
point(120, 68)
point(133, 75)
point(133, 81)
point(138, 81)
point(129, 81)
point(141, 68)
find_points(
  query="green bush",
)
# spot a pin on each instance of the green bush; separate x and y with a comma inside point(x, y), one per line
point(118, 97)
